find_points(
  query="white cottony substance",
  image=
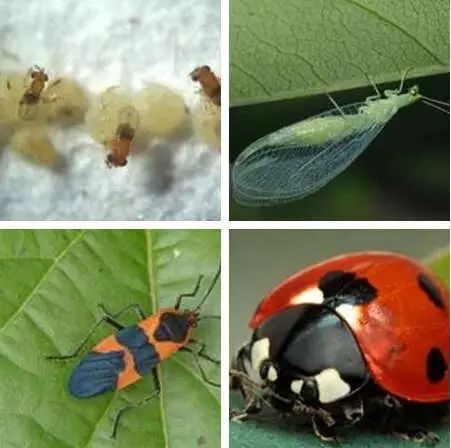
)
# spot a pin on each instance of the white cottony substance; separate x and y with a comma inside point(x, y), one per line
point(100, 44)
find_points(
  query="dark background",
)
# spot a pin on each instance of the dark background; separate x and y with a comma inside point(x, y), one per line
point(402, 175)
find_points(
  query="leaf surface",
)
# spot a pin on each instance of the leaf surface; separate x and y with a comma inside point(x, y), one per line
point(283, 49)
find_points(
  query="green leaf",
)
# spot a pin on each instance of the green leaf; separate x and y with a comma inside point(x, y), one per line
point(283, 49)
point(50, 285)
point(438, 263)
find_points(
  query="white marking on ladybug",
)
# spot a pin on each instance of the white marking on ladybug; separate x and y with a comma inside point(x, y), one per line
point(259, 352)
point(350, 313)
point(272, 374)
point(296, 386)
point(251, 373)
point(330, 386)
point(309, 295)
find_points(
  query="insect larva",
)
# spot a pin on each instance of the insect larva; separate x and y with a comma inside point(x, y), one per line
point(298, 160)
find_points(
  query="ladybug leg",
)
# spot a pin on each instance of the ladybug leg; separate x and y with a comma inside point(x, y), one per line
point(188, 294)
point(418, 436)
point(143, 402)
point(253, 406)
point(106, 318)
point(323, 431)
point(353, 411)
point(391, 406)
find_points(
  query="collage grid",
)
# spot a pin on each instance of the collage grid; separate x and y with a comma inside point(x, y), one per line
point(213, 216)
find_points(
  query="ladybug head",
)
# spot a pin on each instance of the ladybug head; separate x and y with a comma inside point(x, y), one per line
point(308, 354)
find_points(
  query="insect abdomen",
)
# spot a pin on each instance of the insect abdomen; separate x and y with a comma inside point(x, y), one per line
point(116, 362)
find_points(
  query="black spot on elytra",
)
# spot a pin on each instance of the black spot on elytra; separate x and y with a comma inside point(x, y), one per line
point(433, 293)
point(341, 287)
point(436, 365)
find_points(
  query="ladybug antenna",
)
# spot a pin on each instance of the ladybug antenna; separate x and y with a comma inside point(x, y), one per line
point(212, 285)
point(256, 388)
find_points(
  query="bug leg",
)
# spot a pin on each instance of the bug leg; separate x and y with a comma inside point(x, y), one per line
point(208, 317)
point(104, 319)
point(324, 432)
point(201, 351)
point(253, 406)
point(188, 294)
point(390, 407)
point(417, 435)
point(5, 87)
point(353, 411)
point(50, 99)
point(143, 402)
point(200, 354)
point(336, 106)
point(134, 306)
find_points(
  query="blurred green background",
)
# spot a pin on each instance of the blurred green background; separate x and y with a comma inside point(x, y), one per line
point(259, 260)
point(403, 174)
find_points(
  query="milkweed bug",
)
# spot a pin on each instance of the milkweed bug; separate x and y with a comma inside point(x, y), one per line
point(126, 356)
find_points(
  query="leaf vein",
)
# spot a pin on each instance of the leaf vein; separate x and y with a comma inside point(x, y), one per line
point(41, 281)
point(398, 27)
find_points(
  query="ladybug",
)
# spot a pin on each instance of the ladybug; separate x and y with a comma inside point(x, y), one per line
point(362, 337)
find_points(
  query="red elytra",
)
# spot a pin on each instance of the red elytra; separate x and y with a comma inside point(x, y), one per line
point(396, 331)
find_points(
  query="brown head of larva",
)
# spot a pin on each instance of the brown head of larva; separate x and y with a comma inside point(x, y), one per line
point(115, 159)
point(39, 73)
point(211, 84)
point(200, 72)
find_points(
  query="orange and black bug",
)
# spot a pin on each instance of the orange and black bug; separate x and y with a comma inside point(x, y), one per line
point(211, 84)
point(32, 94)
point(134, 351)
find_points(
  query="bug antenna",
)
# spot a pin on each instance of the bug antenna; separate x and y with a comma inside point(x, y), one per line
point(212, 285)
point(257, 388)
point(403, 78)
point(435, 106)
point(433, 100)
